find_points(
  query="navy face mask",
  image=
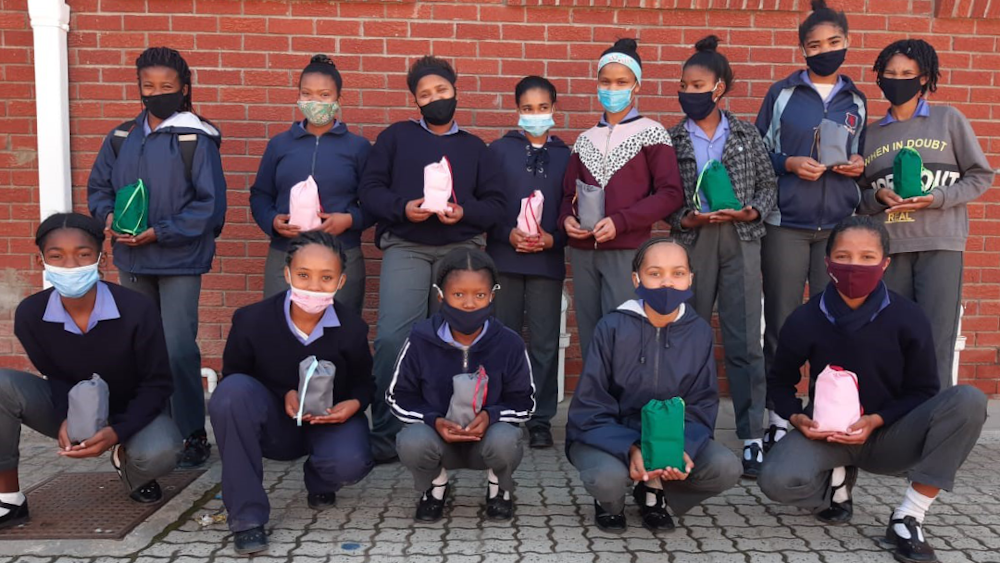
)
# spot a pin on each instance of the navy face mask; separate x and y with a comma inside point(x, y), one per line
point(465, 322)
point(663, 300)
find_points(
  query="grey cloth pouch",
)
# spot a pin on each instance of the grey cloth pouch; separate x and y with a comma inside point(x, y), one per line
point(589, 205)
point(468, 396)
point(315, 387)
point(831, 143)
point(88, 409)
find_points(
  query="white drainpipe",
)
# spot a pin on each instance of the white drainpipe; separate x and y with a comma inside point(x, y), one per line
point(959, 346)
point(50, 24)
point(211, 378)
point(563, 344)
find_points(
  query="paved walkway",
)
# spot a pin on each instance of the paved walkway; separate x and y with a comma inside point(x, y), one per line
point(373, 521)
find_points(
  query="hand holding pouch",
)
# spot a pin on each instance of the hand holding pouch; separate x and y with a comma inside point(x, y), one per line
point(714, 182)
point(88, 409)
point(530, 216)
point(438, 186)
point(467, 397)
point(589, 205)
point(831, 140)
point(836, 400)
point(315, 387)
point(663, 434)
point(908, 173)
point(304, 206)
point(131, 210)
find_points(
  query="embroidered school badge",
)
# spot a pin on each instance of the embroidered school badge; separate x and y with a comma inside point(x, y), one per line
point(851, 121)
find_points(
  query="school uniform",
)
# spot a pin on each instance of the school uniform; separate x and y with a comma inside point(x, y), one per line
point(927, 245)
point(335, 160)
point(725, 257)
point(421, 390)
point(260, 365)
point(393, 176)
point(630, 363)
point(187, 214)
point(887, 342)
point(794, 249)
point(532, 283)
point(634, 164)
point(124, 345)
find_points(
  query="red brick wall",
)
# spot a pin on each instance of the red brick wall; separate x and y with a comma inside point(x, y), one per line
point(247, 56)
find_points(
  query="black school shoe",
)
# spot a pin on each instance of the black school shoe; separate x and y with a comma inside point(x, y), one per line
point(654, 518)
point(540, 438)
point(17, 514)
point(196, 451)
point(771, 436)
point(751, 467)
point(430, 509)
point(915, 549)
point(321, 501)
point(607, 522)
point(840, 513)
point(250, 541)
point(498, 508)
point(148, 493)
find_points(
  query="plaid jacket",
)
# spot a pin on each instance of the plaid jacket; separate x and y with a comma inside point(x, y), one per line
point(750, 170)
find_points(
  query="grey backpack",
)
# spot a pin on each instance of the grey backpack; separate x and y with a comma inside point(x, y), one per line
point(315, 387)
point(468, 396)
point(88, 409)
point(589, 205)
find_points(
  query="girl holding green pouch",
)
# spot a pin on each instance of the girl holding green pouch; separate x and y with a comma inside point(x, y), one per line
point(645, 406)
point(924, 165)
point(729, 184)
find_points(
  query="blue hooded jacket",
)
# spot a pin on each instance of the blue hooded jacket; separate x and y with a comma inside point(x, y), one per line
point(186, 216)
point(631, 362)
point(334, 160)
point(421, 386)
point(788, 118)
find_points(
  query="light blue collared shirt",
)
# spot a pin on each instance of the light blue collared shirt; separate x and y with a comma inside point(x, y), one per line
point(452, 131)
point(632, 114)
point(105, 309)
point(836, 87)
point(923, 110)
point(444, 333)
point(328, 320)
point(706, 149)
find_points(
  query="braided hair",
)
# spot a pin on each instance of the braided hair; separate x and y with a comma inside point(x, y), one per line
point(467, 260)
point(917, 50)
point(59, 221)
point(709, 58)
point(321, 238)
point(821, 14)
point(169, 58)
point(640, 253)
point(322, 64)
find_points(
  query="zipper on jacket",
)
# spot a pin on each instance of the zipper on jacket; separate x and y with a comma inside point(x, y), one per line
point(604, 170)
point(465, 360)
point(822, 196)
point(315, 151)
point(656, 364)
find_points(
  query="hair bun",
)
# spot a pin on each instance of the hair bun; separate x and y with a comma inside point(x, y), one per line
point(710, 43)
point(322, 59)
point(627, 44)
point(819, 5)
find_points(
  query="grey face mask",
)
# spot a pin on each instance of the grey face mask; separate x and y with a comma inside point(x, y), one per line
point(467, 397)
point(589, 205)
point(88, 409)
point(315, 387)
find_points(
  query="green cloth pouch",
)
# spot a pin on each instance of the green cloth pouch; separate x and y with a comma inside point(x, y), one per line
point(663, 434)
point(714, 182)
point(131, 209)
point(907, 173)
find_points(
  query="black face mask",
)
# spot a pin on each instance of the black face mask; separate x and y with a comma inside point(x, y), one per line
point(899, 90)
point(163, 105)
point(697, 106)
point(825, 64)
point(465, 322)
point(440, 112)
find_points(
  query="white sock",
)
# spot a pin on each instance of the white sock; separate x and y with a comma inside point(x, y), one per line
point(836, 480)
point(493, 485)
point(438, 490)
point(652, 486)
point(914, 504)
point(746, 451)
point(16, 498)
point(775, 420)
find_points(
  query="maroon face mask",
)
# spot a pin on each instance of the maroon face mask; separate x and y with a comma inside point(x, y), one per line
point(855, 280)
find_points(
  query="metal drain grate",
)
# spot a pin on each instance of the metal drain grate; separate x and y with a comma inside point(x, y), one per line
point(89, 506)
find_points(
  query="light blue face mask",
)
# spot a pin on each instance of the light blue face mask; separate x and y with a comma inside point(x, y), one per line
point(614, 101)
point(72, 282)
point(536, 124)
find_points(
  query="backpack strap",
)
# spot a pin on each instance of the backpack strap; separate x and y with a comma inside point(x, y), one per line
point(189, 143)
point(119, 135)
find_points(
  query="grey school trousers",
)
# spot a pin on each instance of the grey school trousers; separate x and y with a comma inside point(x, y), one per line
point(602, 280)
point(727, 270)
point(27, 399)
point(606, 478)
point(352, 294)
point(932, 278)
point(405, 297)
point(423, 451)
point(928, 445)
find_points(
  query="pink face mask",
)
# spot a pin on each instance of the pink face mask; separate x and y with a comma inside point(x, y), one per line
point(312, 302)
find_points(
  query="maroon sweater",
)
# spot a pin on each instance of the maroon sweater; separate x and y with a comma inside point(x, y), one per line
point(634, 162)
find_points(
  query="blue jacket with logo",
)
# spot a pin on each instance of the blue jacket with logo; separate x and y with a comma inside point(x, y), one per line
point(334, 160)
point(788, 118)
point(186, 215)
